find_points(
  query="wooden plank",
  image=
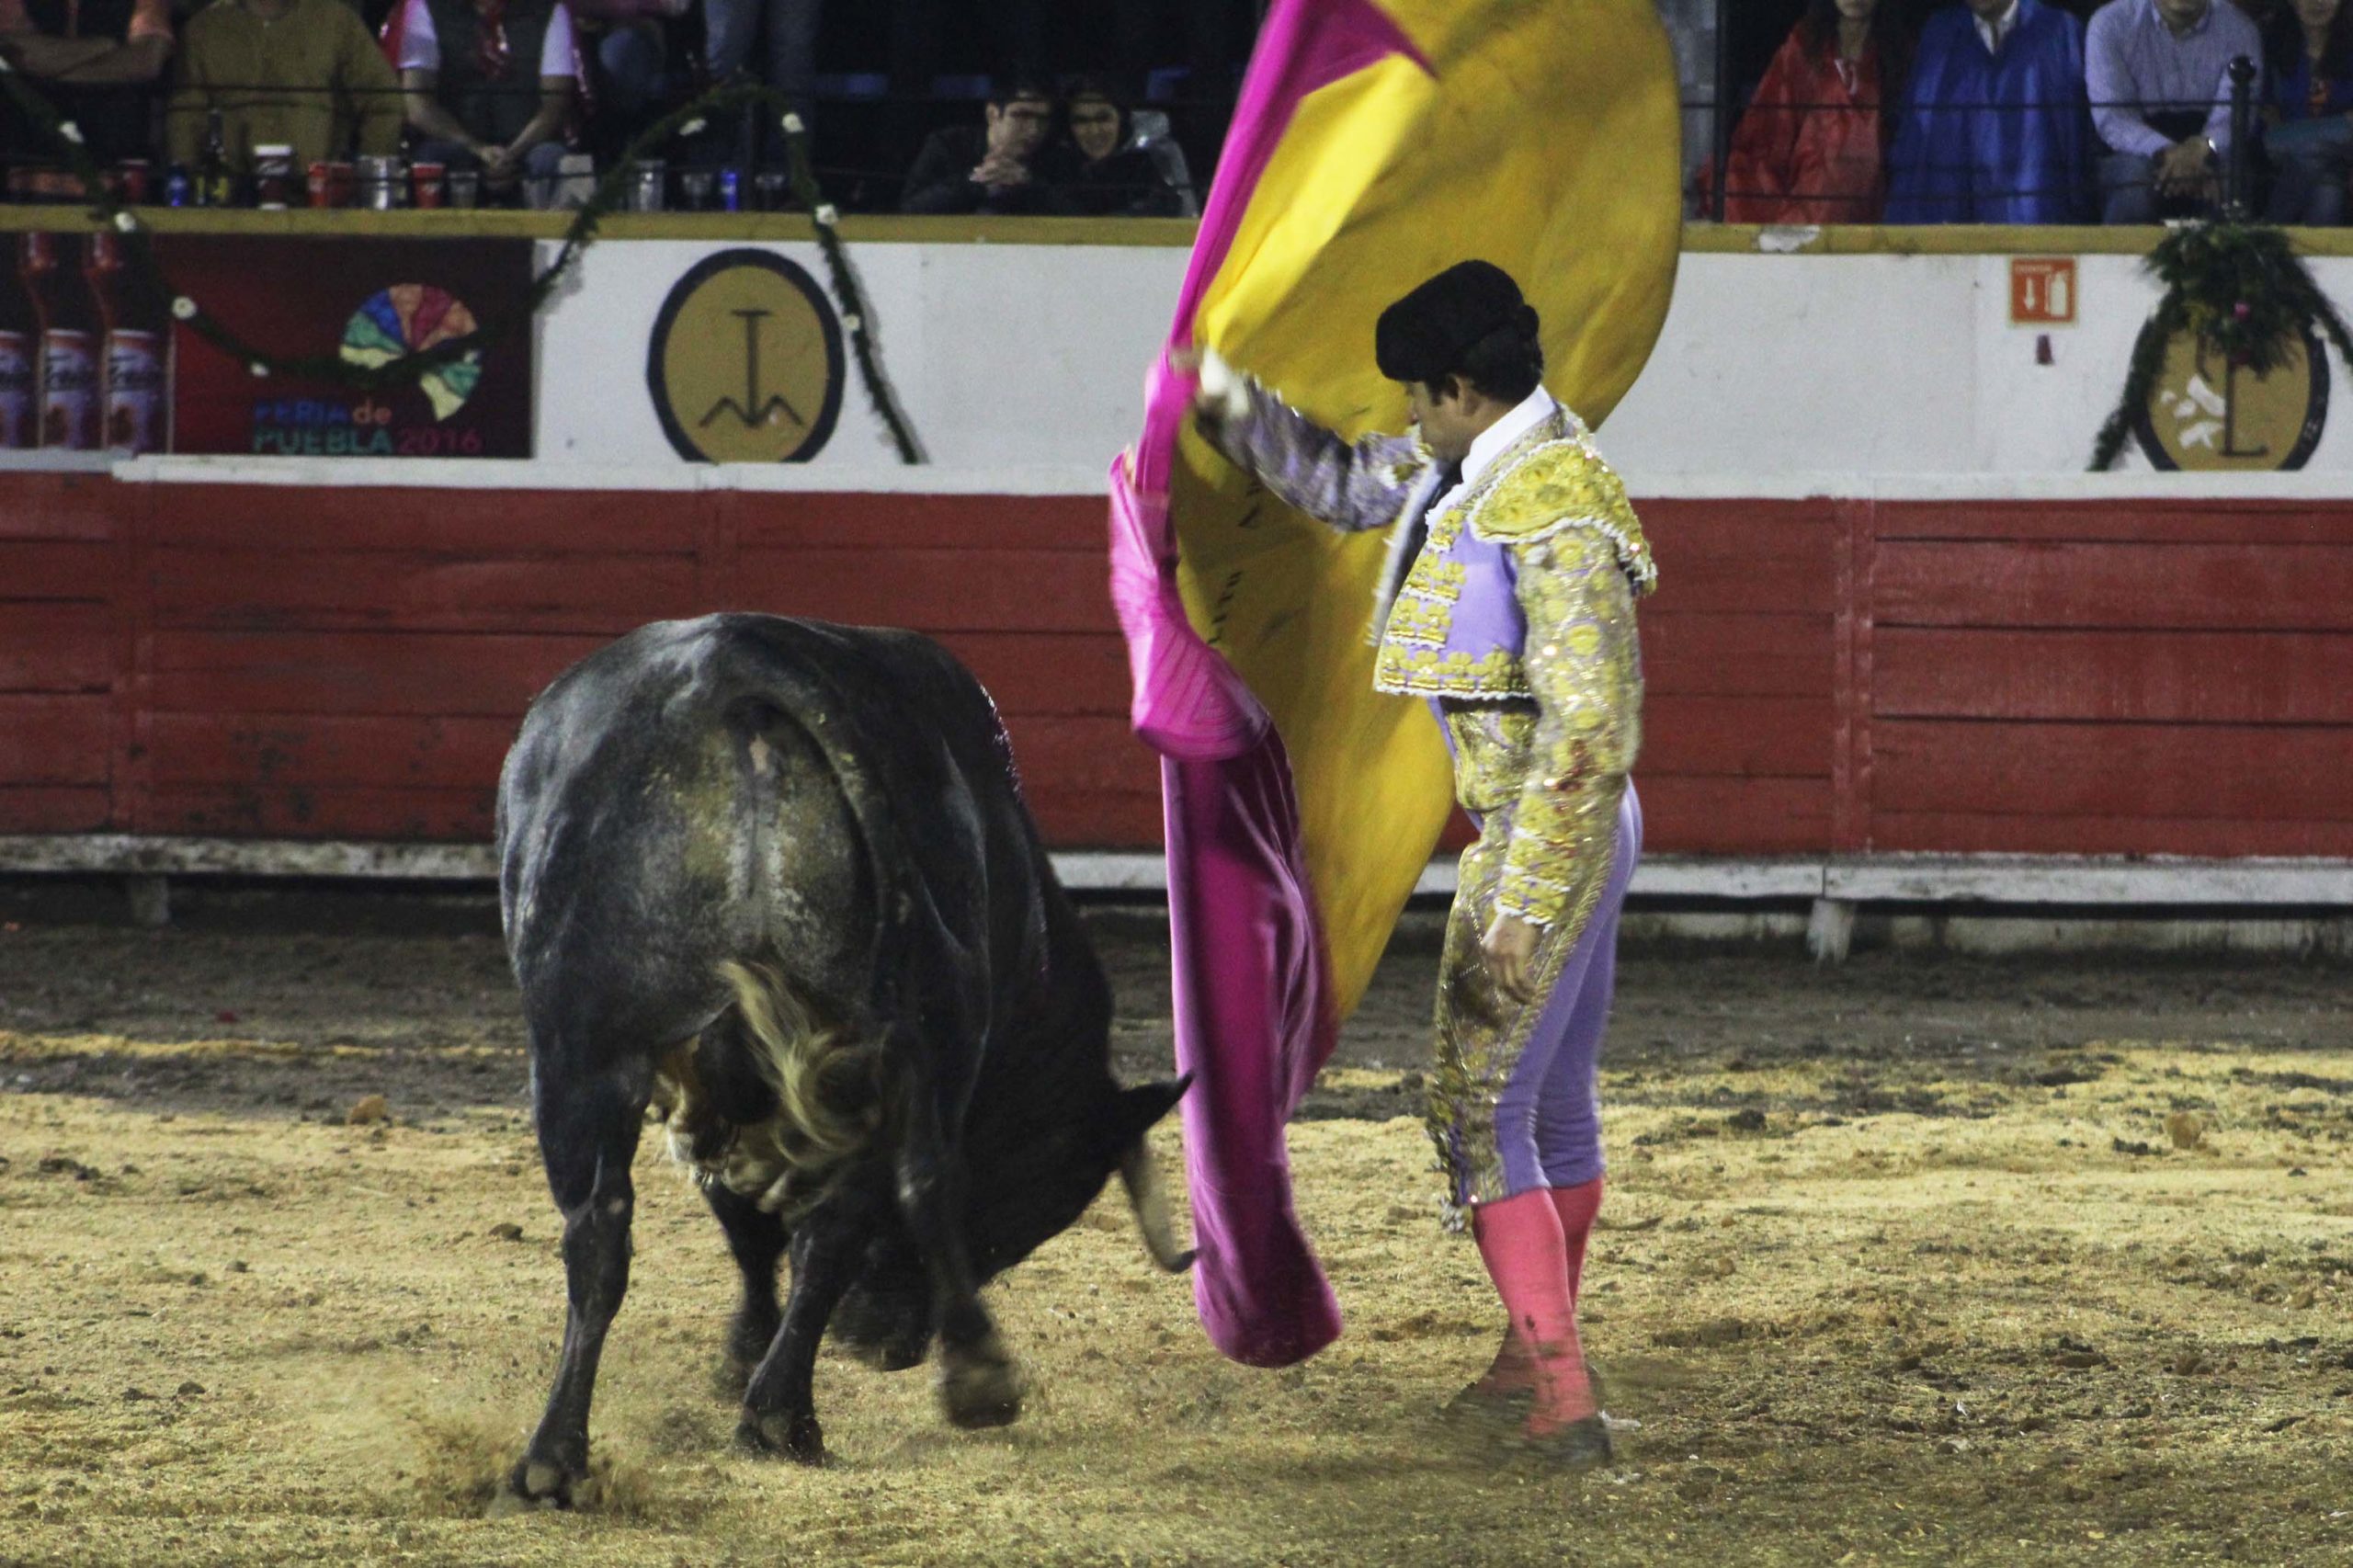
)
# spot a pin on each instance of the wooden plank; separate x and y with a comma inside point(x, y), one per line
point(1735, 737)
point(2203, 519)
point(2272, 773)
point(1973, 834)
point(1737, 655)
point(53, 569)
point(56, 647)
point(61, 506)
point(2278, 587)
point(436, 674)
point(1733, 816)
point(417, 592)
point(288, 518)
point(778, 520)
point(2211, 677)
point(1041, 673)
point(55, 739)
point(52, 808)
point(312, 751)
point(1078, 756)
point(1758, 583)
point(933, 590)
point(248, 811)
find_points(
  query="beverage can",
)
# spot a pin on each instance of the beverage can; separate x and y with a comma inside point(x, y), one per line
point(319, 182)
point(273, 176)
point(180, 189)
point(648, 176)
point(20, 391)
point(69, 389)
point(731, 190)
point(134, 390)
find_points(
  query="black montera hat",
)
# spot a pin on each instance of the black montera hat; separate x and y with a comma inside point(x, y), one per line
point(1427, 336)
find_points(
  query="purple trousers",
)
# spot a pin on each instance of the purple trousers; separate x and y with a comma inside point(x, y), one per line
point(1548, 1118)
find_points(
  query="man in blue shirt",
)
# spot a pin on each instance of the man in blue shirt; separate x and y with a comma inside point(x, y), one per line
point(2159, 74)
point(1993, 128)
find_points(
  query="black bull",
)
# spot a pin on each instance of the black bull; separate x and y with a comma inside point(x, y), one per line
point(775, 879)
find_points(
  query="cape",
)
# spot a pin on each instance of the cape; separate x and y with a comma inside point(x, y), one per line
point(1376, 142)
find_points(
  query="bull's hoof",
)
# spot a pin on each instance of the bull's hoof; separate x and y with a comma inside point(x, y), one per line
point(534, 1485)
point(796, 1436)
point(979, 1387)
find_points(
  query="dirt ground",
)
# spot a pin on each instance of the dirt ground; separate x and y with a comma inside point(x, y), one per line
point(1921, 1258)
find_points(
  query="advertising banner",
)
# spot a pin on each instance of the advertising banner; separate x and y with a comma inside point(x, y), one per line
point(367, 301)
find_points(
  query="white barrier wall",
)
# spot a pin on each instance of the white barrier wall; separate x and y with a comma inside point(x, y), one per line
point(1774, 369)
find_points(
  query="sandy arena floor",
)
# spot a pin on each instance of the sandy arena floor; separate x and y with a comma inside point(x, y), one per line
point(1921, 1259)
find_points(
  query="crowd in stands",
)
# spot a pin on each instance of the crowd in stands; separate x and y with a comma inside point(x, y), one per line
point(2036, 111)
point(1901, 111)
point(1099, 107)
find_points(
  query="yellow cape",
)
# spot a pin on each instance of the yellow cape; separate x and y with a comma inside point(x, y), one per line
point(1547, 141)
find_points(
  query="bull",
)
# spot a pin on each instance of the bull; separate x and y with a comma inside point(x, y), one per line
point(775, 881)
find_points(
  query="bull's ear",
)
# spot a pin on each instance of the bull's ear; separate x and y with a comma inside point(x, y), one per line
point(1136, 1110)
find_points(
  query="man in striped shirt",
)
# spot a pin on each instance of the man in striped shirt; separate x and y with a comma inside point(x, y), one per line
point(2158, 71)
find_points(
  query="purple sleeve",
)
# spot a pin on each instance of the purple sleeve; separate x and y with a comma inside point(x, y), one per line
point(1350, 485)
point(2107, 76)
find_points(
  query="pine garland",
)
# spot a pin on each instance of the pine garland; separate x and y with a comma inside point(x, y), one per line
point(2242, 290)
point(610, 188)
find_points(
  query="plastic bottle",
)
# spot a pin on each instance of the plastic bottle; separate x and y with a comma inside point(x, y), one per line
point(19, 365)
point(212, 164)
point(132, 352)
point(68, 356)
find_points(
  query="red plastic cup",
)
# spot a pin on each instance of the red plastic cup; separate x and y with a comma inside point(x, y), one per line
point(432, 183)
point(322, 183)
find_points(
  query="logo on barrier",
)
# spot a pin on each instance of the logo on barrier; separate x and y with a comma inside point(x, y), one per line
point(746, 362)
point(2207, 415)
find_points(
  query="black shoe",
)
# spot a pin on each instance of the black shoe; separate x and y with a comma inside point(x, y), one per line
point(1581, 1445)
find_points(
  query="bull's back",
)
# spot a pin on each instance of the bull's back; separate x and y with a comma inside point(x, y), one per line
point(672, 804)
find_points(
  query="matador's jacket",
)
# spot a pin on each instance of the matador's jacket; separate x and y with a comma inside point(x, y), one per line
point(1510, 606)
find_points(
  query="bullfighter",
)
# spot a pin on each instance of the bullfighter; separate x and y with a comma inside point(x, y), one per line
point(1507, 604)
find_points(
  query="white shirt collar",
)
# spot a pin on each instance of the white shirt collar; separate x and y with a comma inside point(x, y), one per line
point(1497, 438)
point(1994, 31)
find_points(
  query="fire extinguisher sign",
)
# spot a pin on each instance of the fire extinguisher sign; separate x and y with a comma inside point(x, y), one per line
point(2042, 291)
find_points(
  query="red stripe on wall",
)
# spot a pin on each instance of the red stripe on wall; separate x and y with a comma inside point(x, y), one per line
point(2096, 677)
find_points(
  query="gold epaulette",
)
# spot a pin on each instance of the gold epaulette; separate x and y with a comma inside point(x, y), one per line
point(1564, 484)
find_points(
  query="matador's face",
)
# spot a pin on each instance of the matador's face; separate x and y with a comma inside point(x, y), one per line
point(1447, 426)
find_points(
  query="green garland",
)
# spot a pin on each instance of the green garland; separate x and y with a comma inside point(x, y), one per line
point(2242, 290)
point(138, 245)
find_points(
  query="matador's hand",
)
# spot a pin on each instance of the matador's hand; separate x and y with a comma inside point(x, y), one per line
point(1509, 950)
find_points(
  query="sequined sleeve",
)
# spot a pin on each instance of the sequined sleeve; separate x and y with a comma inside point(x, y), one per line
point(1352, 486)
point(1585, 670)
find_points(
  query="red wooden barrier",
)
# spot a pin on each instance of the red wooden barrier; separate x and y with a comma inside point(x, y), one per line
point(2055, 678)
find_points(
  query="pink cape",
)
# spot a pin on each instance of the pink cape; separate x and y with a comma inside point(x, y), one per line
point(1253, 1011)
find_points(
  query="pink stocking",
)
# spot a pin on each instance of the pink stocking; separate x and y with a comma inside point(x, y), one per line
point(1525, 1251)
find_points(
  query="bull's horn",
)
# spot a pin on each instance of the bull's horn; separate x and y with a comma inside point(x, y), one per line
point(1141, 1176)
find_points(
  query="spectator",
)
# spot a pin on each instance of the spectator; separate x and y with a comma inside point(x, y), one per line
point(1108, 177)
point(645, 59)
point(1812, 147)
point(2310, 65)
point(98, 68)
point(786, 30)
point(304, 73)
point(1994, 129)
point(470, 103)
point(995, 168)
point(2160, 85)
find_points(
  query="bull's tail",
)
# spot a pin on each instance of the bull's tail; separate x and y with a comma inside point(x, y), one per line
point(827, 1086)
